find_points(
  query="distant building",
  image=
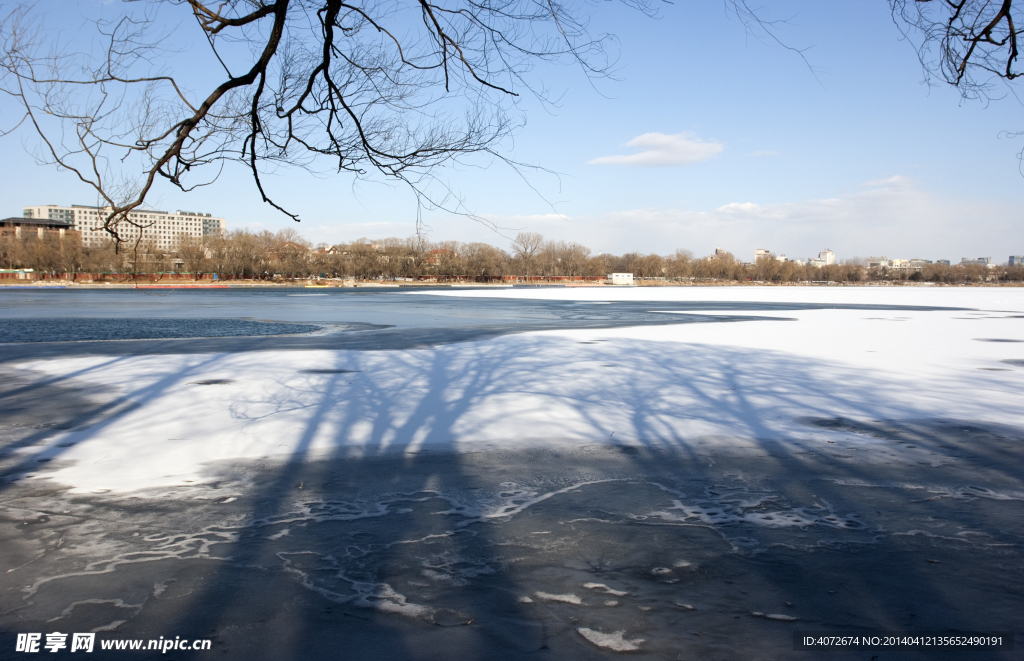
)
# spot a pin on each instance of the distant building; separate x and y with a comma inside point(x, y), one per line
point(24, 228)
point(621, 278)
point(897, 264)
point(980, 261)
point(1016, 260)
point(435, 258)
point(163, 228)
point(762, 252)
point(721, 251)
point(944, 262)
point(825, 258)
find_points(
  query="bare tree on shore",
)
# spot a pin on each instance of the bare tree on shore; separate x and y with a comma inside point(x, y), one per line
point(525, 247)
point(286, 255)
point(193, 253)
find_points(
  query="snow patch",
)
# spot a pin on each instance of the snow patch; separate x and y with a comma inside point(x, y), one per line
point(775, 616)
point(563, 598)
point(613, 641)
point(605, 588)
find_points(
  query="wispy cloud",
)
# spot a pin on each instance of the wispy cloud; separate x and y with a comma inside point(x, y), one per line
point(893, 216)
point(662, 150)
point(889, 182)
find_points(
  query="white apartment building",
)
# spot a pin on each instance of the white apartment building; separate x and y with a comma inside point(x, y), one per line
point(825, 258)
point(163, 228)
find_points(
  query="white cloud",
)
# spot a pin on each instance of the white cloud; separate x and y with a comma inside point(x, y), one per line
point(739, 207)
point(660, 150)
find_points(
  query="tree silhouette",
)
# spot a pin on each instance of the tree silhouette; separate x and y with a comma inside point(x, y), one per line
point(360, 87)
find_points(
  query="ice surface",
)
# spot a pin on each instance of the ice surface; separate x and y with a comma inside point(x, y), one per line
point(389, 552)
point(694, 491)
point(995, 298)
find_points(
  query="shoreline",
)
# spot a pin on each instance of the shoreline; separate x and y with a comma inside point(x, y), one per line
point(257, 284)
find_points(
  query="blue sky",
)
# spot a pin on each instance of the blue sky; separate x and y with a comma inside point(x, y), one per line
point(707, 138)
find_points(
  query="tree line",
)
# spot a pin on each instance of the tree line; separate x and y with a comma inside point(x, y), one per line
point(244, 254)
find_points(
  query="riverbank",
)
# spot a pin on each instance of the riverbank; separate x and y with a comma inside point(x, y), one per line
point(58, 284)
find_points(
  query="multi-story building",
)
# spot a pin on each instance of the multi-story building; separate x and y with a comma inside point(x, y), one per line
point(915, 264)
point(1016, 260)
point(825, 258)
point(164, 229)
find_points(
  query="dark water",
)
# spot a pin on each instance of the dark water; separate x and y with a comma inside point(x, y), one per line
point(89, 328)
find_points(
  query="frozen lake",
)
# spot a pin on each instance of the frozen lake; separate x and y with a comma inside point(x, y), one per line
point(236, 319)
point(541, 473)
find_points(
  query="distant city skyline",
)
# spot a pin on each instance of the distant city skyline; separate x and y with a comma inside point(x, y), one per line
point(166, 226)
point(708, 138)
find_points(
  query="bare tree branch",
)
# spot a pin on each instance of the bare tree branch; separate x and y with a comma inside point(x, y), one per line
point(373, 88)
point(970, 44)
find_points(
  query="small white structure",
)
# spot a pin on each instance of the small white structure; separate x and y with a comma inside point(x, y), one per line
point(621, 279)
